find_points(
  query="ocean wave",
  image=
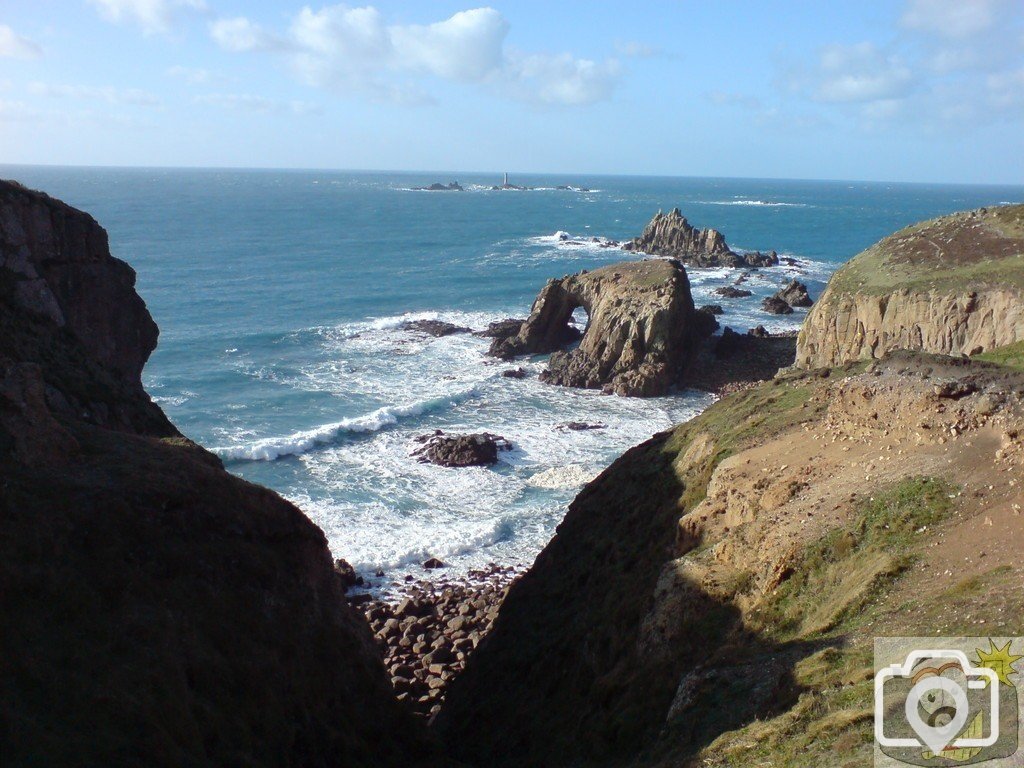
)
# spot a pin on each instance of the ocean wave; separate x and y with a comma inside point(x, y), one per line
point(568, 241)
point(765, 203)
point(298, 443)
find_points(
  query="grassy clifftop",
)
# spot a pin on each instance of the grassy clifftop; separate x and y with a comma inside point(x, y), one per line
point(982, 247)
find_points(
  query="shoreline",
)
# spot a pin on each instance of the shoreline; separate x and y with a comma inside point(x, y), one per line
point(426, 630)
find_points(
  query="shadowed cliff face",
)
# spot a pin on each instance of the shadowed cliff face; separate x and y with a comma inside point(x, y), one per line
point(71, 308)
point(156, 610)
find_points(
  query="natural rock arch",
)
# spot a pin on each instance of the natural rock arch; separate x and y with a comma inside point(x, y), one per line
point(639, 333)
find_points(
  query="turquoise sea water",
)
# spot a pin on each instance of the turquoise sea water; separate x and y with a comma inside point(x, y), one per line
point(279, 296)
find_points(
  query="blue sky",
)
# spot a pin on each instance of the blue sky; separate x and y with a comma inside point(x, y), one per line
point(912, 90)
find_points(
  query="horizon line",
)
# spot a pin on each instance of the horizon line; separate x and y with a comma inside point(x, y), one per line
point(450, 173)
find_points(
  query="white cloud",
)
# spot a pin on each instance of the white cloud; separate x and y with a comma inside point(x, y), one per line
point(951, 18)
point(239, 34)
point(860, 73)
point(1006, 90)
point(562, 79)
point(151, 16)
point(465, 47)
point(14, 46)
point(18, 110)
point(356, 50)
point(242, 102)
point(121, 96)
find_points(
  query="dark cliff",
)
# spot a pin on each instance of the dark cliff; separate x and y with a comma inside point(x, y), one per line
point(156, 610)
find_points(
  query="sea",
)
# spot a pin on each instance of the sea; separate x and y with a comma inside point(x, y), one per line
point(281, 297)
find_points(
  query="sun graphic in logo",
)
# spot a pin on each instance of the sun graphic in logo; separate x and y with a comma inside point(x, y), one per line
point(999, 660)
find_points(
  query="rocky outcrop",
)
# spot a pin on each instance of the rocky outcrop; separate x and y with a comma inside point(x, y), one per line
point(157, 610)
point(451, 186)
point(795, 294)
point(953, 285)
point(476, 450)
point(672, 235)
point(71, 308)
point(436, 328)
point(731, 292)
point(640, 328)
point(776, 306)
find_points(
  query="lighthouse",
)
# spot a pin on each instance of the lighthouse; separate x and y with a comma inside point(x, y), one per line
point(505, 183)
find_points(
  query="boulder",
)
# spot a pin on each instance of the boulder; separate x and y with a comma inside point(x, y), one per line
point(776, 306)
point(673, 236)
point(952, 286)
point(434, 327)
point(514, 373)
point(640, 330)
point(795, 294)
point(730, 292)
point(714, 309)
point(474, 450)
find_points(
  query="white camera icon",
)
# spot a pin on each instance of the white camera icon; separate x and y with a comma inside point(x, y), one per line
point(930, 685)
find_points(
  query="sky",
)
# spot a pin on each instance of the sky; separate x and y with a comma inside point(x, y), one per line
point(905, 90)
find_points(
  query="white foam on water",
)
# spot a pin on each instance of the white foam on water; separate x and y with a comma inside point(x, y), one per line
point(743, 201)
point(568, 476)
point(297, 443)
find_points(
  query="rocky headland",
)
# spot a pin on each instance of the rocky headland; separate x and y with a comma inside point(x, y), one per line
point(953, 286)
point(157, 610)
point(671, 235)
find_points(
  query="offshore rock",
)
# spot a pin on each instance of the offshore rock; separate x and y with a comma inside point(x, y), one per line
point(476, 450)
point(795, 294)
point(672, 235)
point(639, 335)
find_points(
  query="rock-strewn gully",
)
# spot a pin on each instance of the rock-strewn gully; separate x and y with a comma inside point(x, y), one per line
point(427, 630)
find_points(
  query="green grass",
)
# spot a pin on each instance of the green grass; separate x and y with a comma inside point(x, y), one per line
point(1010, 356)
point(844, 570)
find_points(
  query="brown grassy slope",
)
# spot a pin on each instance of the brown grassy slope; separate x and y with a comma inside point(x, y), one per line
point(729, 574)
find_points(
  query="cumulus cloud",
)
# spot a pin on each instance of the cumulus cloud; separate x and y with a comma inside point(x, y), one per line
point(152, 16)
point(120, 96)
point(242, 102)
point(239, 34)
point(14, 46)
point(951, 64)
point(951, 18)
point(357, 50)
point(860, 73)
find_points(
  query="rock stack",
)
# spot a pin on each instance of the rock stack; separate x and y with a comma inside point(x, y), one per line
point(672, 235)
